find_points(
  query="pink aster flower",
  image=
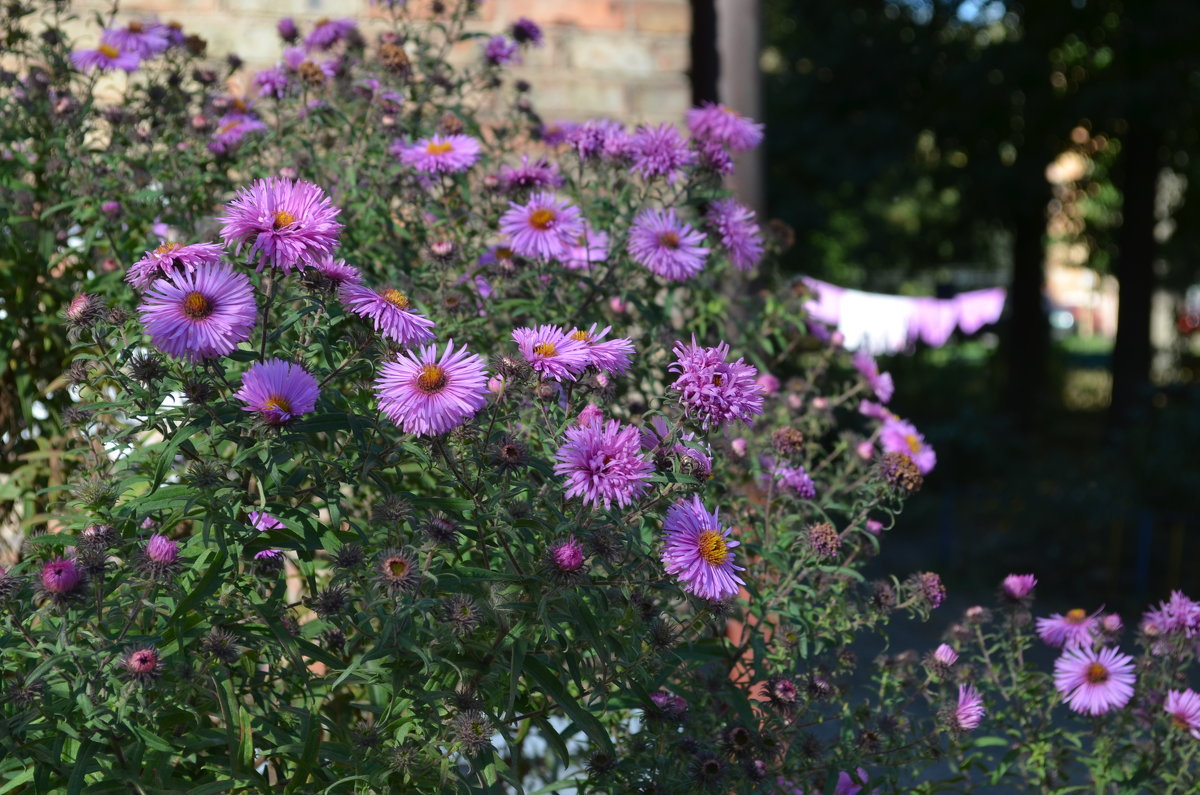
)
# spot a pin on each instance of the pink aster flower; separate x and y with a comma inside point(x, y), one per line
point(327, 33)
point(290, 224)
point(590, 247)
point(601, 138)
point(666, 246)
point(1075, 628)
point(1184, 708)
point(612, 356)
point(551, 352)
point(337, 271)
point(230, 132)
point(531, 174)
point(145, 38)
point(880, 383)
point(440, 154)
point(699, 550)
point(945, 655)
point(603, 464)
point(1094, 682)
point(712, 390)
point(262, 522)
point(272, 82)
point(660, 152)
point(969, 711)
point(142, 665)
point(279, 391)
point(875, 411)
point(106, 57)
point(1179, 615)
point(427, 395)
point(722, 125)
point(389, 310)
point(60, 576)
point(199, 314)
point(169, 259)
point(796, 481)
point(1018, 587)
point(162, 550)
point(545, 228)
point(901, 436)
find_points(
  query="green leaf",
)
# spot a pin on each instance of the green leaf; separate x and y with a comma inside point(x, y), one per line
point(584, 719)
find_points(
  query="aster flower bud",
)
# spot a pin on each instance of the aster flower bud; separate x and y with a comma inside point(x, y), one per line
point(440, 529)
point(461, 614)
point(160, 558)
point(565, 560)
point(509, 455)
point(142, 665)
point(331, 602)
point(472, 731)
point(221, 646)
point(976, 614)
point(667, 706)
point(61, 580)
point(10, 585)
point(1017, 589)
point(100, 536)
point(349, 557)
point(442, 250)
point(392, 509)
point(782, 693)
point(787, 440)
point(928, 587)
point(147, 368)
point(662, 635)
point(333, 639)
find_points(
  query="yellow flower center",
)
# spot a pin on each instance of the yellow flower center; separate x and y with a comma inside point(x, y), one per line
point(397, 567)
point(545, 349)
point(716, 379)
point(1075, 616)
point(541, 219)
point(669, 239)
point(504, 253)
point(167, 248)
point(582, 336)
point(914, 444)
point(239, 105)
point(108, 51)
point(1180, 722)
point(135, 27)
point(196, 306)
point(277, 403)
point(395, 298)
point(432, 379)
point(711, 546)
point(439, 147)
point(1096, 674)
point(284, 218)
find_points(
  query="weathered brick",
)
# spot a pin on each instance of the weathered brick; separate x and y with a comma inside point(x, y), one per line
point(273, 9)
point(662, 17)
point(606, 14)
point(574, 96)
point(663, 99)
point(609, 53)
point(671, 54)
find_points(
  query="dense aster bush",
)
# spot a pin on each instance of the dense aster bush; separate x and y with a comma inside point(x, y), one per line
point(398, 441)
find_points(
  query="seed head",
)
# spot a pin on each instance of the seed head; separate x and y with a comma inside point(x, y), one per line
point(221, 646)
point(472, 731)
point(397, 572)
point(824, 541)
point(787, 440)
point(899, 472)
point(331, 602)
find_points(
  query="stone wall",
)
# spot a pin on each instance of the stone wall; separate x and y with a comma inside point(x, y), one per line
point(626, 59)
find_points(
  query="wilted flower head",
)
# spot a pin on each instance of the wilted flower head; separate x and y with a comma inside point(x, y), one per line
point(397, 572)
point(220, 645)
point(796, 481)
point(1018, 588)
point(288, 224)
point(899, 472)
point(823, 540)
point(1093, 682)
point(928, 586)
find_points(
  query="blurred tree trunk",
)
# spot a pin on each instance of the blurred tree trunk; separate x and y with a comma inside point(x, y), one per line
point(1029, 331)
point(1135, 270)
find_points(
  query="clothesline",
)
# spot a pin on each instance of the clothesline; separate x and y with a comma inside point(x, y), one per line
point(890, 323)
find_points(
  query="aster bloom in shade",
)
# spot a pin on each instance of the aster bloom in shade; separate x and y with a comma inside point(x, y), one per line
point(327, 33)
point(739, 234)
point(142, 665)
point(230, 132)
point(441, 154)
point(722, 125)
point(969, 711)
point(712, 390)
point(106, 57)
point(526, 31)
point(660, 152)
point(501, 50)
point(262, 522)
point(160, 558)
point(603, 464)
point(169, 259)
point(1018, 588)
point(532, 173)
point(272, 82)
point(201, 314)
point(1184, 708)
point(611, 356)
point(390, 311)
point(565, 559)
point(396, 572)
point(278, 391)
point(1074, 628)
point(666, 246)
point(337, 271)
point(288, 224)
point(1179, 615)
point(426, 394)
point(796, 481)
point(1094, 682)
point(60, 577)
point(699, 551)
point(601, 138)
point(901, 436)
point(146, 38)
point(880, 383)
point(545, 228)
point(551, 352)
point(590, 247)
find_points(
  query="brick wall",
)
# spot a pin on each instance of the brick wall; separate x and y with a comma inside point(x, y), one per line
point(626, 59)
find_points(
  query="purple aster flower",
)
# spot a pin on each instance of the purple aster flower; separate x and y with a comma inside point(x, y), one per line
point(170, 259)
point(945, 655)
point(199, 314)
point(526, 31)
point(327, 33)
point(929, 585)
point(544, 228)
point(106, 57)
point(601, 138)
point(591, 247)
point(603, 464)
point(589, 414)
point(551, 352)
point(230, 132)
point(292, 223)
point(969, 711)
point(146, 39)
point(272, 82)
point(532, 173)
point(880, 383)
point(699, 551)
point(612, 356)
point(1094, 682)
point(1018, 588)
point(262, 522)
point(875, 411)
point(734, 224)
point(337, 271)
point(722, 125)
point(712, 390)
point(279, 391)
point(900, 436)
point(426, 395)
point(567, 556)
point(160, 558)
point(60, 577)
point(797, 481)
point(440, 154)
point(660, 152)
point(500, 50)
point(558, 132)
point(1179, 615)
point(714, 157)
point(1184, 708)
point(390, 312)
point(666, 246)
point(1075, 628)
point(287, 30)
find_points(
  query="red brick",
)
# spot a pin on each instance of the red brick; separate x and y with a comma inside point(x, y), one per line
point(660, 17)
point(602, 14)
